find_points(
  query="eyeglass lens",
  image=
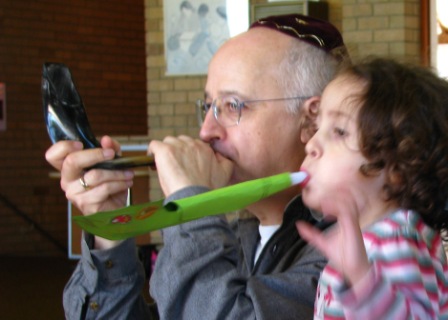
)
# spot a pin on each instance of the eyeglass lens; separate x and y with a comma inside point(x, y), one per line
point(226, 110)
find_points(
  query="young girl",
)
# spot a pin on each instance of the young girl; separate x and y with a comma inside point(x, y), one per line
point(378, 163)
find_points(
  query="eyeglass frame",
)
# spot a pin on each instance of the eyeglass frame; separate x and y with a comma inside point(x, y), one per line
point(202, 107)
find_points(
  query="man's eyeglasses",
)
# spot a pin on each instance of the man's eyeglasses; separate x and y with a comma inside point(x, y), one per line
point(227, 109)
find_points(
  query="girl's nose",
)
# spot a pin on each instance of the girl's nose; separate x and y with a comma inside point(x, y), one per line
point(312, 148)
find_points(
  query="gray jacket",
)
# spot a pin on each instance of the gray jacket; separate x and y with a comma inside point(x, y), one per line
point(204, 271)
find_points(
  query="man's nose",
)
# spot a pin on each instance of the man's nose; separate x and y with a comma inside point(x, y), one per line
point(211, 129)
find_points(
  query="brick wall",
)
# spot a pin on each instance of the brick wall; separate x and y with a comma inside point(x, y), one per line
point(390, 28)
point(171, 99)
point(103, 44)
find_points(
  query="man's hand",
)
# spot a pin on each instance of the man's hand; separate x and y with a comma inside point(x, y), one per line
point(184, 161)
point(105, 189)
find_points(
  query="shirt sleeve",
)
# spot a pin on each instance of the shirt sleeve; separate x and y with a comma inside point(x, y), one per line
point(405, 282)
point(107, 284)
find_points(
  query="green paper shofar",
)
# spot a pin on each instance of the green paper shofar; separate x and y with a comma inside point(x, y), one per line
point(143, 218)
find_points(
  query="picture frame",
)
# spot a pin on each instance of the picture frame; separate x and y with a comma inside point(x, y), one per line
point(195, 29)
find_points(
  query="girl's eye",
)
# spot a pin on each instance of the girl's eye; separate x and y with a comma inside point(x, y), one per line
point(340, 132)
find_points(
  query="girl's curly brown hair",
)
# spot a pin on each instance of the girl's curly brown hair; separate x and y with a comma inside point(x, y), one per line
point(403, 125)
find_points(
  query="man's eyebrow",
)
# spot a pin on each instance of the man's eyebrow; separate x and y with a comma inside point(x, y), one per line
point(223, 93)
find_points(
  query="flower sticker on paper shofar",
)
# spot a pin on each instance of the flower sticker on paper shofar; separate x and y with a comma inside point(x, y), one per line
point(121, 219)
point(146, 212)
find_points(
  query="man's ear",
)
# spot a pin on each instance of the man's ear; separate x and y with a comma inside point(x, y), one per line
point(310, 110)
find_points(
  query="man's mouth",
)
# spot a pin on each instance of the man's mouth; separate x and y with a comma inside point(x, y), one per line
point(216, 149)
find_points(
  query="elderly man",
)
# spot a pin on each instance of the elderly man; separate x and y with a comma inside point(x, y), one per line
point(261, 97)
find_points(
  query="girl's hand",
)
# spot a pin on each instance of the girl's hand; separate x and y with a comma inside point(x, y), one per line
point(342, 244)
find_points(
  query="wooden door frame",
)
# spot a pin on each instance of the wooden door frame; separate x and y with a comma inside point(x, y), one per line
point(425, 48)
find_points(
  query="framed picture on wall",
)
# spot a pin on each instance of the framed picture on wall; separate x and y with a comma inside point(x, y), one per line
point(195, 29)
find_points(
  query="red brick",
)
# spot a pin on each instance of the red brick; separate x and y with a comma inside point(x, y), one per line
point(103, 44)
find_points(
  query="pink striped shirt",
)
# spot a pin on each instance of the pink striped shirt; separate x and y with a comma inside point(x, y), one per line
point(408, 278)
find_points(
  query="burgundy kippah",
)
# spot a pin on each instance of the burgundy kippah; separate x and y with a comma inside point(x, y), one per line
point(316, 32)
